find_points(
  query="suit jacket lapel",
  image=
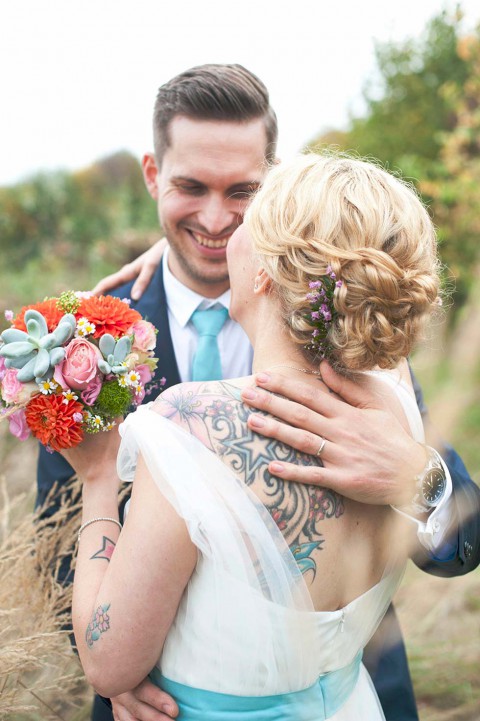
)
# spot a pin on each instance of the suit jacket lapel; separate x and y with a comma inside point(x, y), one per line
point(164, 349)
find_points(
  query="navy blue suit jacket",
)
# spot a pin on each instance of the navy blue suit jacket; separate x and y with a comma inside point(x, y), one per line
point(386, 663)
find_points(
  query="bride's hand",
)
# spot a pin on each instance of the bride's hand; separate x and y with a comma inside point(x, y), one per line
point(95, 458)
point(146, 702)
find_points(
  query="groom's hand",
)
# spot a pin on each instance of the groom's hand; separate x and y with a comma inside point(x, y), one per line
point(145, 703)
point(368, 456)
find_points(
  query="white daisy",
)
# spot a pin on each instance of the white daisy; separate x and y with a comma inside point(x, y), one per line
point(69, 395)
point(47, 387)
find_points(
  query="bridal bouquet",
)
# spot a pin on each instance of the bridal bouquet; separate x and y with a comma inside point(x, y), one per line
point(71, 365)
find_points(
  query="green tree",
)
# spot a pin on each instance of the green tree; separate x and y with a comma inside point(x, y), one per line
point(423, 118)
point(454, 189)
point(406, 111)
point(67, 214)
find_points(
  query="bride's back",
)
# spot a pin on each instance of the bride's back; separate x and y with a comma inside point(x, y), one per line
point(342, 547)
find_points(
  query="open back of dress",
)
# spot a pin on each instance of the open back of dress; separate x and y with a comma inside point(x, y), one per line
point(246, 641)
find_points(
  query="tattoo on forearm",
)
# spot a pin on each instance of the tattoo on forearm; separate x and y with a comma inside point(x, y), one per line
point(106, 551)
point(219, 420)
point(99, 624)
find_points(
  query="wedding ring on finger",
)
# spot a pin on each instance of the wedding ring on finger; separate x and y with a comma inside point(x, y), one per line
point(322, 446)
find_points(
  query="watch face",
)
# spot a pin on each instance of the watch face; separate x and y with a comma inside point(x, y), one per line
point(433, 486)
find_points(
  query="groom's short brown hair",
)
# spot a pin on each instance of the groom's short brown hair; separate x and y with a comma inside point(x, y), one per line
point(213, 92)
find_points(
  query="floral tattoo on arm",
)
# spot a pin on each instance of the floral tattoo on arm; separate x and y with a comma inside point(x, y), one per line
point(99, 624)
point(214, 414)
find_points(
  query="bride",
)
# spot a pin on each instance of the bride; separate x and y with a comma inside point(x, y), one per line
point(245, 596)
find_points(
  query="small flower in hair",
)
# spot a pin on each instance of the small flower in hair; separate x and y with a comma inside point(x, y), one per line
point(322, 311)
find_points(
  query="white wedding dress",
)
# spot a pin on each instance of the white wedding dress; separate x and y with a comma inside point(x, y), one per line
point(246, 642)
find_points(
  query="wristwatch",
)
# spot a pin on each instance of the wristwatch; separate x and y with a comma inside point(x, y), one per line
point(431, 484)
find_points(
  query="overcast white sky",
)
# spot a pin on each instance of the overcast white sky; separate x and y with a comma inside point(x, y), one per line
point(78, 78)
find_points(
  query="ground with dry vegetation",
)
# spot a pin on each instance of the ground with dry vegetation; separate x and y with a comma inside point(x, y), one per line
point(36, 659)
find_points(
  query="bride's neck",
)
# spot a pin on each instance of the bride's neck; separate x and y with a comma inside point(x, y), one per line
point(273, 346)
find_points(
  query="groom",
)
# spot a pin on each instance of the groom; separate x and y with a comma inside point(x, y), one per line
point(214, 130)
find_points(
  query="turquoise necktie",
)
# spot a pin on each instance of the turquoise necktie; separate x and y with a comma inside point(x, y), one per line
point(207, 365)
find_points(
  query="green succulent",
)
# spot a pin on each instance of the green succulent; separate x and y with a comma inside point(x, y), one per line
point(35, 352)
point(114, 353)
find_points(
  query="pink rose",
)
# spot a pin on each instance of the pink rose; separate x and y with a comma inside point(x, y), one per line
point(18, 425)
point(2, 368)
point(145, 374)
point(79, 367)
point(11, 387)
point(144, 336)
point(145, 377)
point(90, 394)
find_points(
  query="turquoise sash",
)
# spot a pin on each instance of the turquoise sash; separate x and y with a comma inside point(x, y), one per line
point(316, 703)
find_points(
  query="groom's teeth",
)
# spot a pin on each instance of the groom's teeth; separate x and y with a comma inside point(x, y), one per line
point(209, 243)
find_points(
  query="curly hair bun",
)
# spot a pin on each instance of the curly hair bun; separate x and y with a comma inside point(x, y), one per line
point(373, 230)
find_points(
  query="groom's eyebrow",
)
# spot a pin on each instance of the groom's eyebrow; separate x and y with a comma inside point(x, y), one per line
point(248, 187)
point(186, 179)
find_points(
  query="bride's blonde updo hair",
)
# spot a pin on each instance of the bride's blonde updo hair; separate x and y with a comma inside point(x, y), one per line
point(376, 235)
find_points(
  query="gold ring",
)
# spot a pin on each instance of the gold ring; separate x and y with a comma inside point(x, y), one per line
point(322, 446)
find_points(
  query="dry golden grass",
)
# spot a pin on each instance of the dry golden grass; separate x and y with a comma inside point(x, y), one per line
point(36, 659)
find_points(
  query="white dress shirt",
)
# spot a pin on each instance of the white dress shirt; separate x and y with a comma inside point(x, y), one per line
point(236, 353)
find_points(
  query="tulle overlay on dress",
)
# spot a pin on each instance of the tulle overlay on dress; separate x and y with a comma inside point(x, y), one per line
point(246, 626)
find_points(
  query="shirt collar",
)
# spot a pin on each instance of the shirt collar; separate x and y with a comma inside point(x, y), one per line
point(182, 301)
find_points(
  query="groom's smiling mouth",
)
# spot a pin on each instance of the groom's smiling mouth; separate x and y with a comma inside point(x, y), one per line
point(207, 242)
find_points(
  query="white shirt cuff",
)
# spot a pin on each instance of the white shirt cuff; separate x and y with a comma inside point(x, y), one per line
point(431, 533)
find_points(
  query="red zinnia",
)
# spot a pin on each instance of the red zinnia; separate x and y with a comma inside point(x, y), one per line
point(51, 421)
point(110, 315)
point(49, 310)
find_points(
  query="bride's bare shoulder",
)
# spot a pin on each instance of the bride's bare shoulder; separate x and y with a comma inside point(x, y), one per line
point(198, 406)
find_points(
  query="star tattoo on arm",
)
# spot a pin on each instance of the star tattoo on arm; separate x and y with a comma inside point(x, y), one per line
point(106, 551)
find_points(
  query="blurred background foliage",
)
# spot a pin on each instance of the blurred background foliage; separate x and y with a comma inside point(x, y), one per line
point(422, 119)
point(72, 228)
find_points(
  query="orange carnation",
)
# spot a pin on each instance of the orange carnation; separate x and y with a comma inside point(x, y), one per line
point(49, 310)
point(51, 421)
point(110, 315)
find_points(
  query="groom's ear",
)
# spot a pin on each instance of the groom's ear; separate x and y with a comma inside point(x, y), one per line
point(150, 173)
point(263, 282)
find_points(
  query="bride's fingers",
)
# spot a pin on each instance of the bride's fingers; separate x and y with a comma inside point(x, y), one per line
point(303, 441)
point(136, 710)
